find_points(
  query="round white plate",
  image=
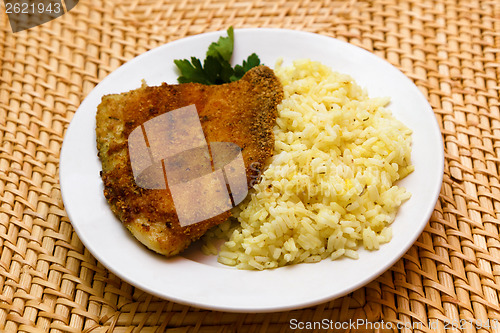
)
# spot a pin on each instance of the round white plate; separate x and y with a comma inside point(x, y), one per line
point(198, 280)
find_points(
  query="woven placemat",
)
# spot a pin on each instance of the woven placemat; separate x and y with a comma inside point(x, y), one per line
point(449, 48)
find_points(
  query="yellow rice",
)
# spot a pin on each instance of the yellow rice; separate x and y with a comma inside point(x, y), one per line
point(329, 188)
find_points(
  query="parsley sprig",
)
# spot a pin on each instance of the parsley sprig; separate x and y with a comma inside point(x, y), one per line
point(216, 68)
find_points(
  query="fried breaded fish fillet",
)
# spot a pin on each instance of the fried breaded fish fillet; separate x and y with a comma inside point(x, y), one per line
point(241, 112)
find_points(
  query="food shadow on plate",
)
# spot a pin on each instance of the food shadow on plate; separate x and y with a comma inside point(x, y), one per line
point(195, 253)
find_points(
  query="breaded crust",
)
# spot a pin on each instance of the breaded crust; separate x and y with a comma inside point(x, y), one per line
point(243, 112)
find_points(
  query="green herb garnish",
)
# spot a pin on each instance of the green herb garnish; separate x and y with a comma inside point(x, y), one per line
point(216, 68)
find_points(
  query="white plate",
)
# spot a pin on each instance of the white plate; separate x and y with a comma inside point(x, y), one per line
point(199, 280)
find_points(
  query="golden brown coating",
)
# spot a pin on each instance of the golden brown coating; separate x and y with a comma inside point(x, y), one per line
point(242, 112)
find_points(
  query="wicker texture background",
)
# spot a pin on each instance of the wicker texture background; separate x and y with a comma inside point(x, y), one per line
point(449, 48)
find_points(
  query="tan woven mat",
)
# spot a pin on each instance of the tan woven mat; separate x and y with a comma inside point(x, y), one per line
point(448, 281)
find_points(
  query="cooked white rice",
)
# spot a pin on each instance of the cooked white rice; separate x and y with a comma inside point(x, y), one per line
point(329, 187)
